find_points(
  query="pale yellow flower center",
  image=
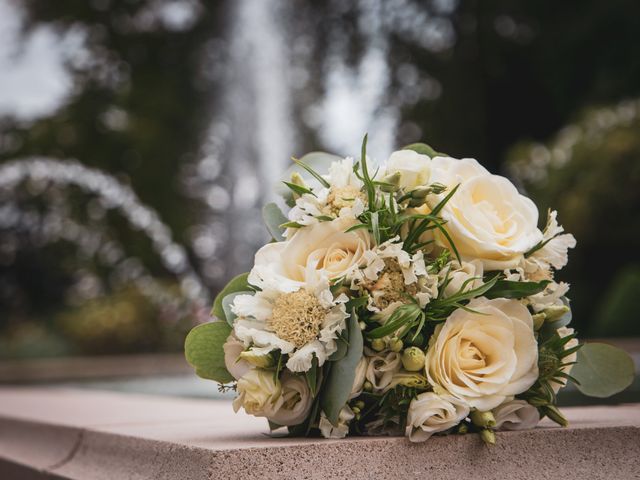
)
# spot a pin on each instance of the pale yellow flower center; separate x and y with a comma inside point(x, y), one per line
point(341, 197)
point(390, 286)
point(297, 317)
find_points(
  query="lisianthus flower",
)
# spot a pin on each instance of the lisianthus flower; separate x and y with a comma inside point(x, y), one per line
point(516, 415)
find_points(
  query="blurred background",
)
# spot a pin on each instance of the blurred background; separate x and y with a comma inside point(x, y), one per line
point(140, 138)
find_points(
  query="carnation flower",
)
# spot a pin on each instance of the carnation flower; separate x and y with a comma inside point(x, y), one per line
point(391, 275)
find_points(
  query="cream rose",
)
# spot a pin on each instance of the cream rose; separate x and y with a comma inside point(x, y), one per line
point(431, 413)
point(516, 415)
point(258, 392)
point(294, 403)
point(486, 218)
point(324, 247)
point(358, 381)
point(413, 167)
point(485, 355)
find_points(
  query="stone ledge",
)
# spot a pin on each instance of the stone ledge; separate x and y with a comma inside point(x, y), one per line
point(55, 433)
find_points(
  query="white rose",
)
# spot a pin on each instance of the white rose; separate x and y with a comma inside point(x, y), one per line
point(431, 413)
point(414, 168)
point(382, 368)
point(232, 350)
point(563, 332)
point(457, 275)
point(294, 403)
point(485, 354)
point(258, 392)
point(323, 247)
point(329, 430)
point(486, 218)
point(516, 415)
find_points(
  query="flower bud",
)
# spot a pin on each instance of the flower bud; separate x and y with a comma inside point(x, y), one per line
point(378, 344)
point(538, 320)
point(395, 345)
point(554, 414)
point(413, 380)
point(482, 419)
point(367, 386)
point(462, 428)
point(488, 436)
point(393, 182)
point(413, 359)
point(360, 404)
point(297, 179)
point(362, 325)
point(554, 312)
point(260, 361)
point(420, 192)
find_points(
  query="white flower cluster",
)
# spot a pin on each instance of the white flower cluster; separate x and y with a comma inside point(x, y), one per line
point(420, 291)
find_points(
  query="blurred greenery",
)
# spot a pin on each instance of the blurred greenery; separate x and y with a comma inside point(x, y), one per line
point(519, 72)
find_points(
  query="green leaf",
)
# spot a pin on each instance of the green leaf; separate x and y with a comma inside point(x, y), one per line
point(509, 289)
point(312, 172)
point(203, 350)
point(312, 376)
point(343, 372)
point(342, 343)
point(237, 284)
point(273, 219)
point(319, 161)
point(423, 149)
point(229, 316)
point(602, 370)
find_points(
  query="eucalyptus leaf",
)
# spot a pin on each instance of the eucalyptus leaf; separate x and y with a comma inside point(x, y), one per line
point(273, 219)
point(342, 374)
point(229, 316)
point(237, 284)
point(342, 342)
point(510, 289)
point(423, 149)
point(203, 350)
point(602, 370)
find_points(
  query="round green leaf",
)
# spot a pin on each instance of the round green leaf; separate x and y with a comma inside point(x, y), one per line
point(273, 218)
point(423, 149)
point(203, 350)
point(237, 284)
point(602, 370)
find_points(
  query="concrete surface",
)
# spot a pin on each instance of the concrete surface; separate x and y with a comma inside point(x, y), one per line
point(56, 433)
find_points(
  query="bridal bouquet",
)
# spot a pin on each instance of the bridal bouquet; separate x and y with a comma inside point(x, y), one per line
point(418, 296)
